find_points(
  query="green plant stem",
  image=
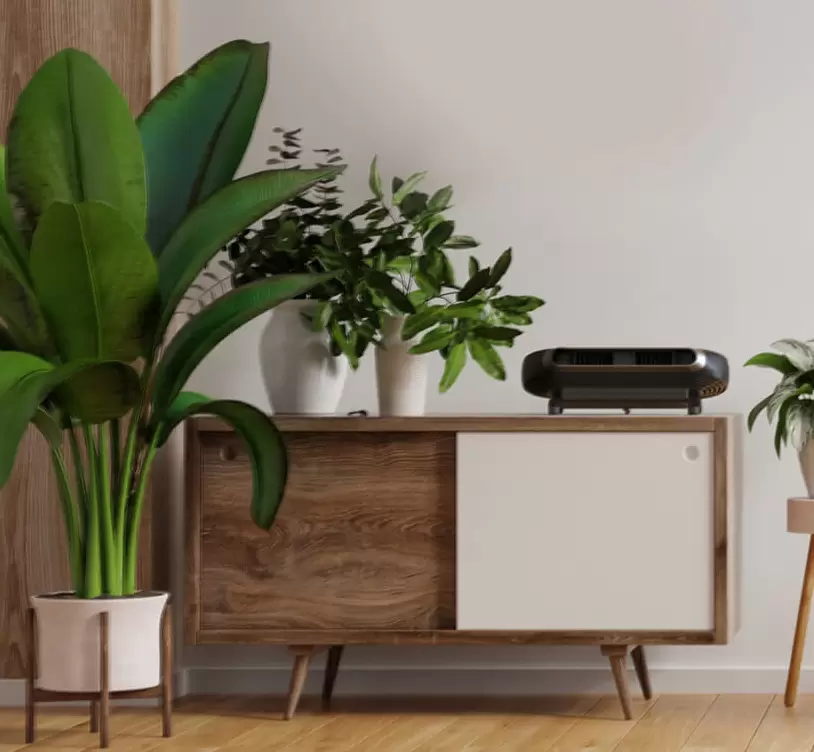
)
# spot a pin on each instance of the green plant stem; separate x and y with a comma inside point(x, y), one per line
point(134, 515)
point(115, 452)
point(111, 569)
point(93, 560)
point(69, 513)
point(79, 474)
point(125, 481)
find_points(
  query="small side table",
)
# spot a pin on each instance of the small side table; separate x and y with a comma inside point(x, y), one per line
point(800, 519)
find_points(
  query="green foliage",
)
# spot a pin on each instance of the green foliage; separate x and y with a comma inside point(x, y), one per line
point(391, 256)
point(792, 401)
point(89, 284)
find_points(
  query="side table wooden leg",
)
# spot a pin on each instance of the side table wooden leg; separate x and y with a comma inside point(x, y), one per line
point(166, 672)
point(801, 628)
point(302, 659)
point(94, 716)
point(640, 664)
point(331, 670)
point(31, 678)
point(617, 655)
point(104, 680)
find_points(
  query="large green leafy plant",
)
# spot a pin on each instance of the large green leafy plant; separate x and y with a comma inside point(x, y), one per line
point(390, 257)
point(791, 403)
point(105, 221)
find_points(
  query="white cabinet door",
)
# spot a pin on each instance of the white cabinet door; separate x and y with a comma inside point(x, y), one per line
point(585, 531)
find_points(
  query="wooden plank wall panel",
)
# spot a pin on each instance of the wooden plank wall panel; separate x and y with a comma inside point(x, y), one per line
point(376, 551)
point(118, 34)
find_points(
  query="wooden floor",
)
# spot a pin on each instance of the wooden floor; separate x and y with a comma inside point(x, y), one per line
point(669, 723)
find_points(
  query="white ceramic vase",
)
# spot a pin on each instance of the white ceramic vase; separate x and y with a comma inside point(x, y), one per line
point(299, 372)
point(807, 466)
point(68, 641)
point(401, 378)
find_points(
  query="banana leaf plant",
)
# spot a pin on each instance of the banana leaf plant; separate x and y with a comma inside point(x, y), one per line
point(105, 222)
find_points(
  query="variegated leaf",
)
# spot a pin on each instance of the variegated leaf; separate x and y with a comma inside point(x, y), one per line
point(800, 354)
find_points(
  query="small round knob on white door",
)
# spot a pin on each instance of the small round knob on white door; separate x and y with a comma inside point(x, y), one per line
point(691, 453)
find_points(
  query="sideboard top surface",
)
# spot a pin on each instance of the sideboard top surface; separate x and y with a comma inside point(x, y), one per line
point(483, 423)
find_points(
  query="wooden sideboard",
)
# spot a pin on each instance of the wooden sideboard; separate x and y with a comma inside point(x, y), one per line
point(615, 531)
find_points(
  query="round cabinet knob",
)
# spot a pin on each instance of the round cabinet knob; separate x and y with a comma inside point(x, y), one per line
point(691, 453)
point(227, 453)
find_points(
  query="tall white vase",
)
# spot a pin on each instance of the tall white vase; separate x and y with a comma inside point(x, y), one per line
point(299, 372)
point(401, 378)
point(807, 466)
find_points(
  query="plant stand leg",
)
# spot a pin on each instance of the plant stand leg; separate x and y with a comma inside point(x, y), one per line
point(31, 678)
point(640, 664)
point(166, 672)
point(617, 655)
point(331, 670)
point(104, 680)
point(94, 716)
point(800, 631)
point(302, 659)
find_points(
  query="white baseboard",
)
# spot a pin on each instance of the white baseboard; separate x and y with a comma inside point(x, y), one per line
point(463, 681)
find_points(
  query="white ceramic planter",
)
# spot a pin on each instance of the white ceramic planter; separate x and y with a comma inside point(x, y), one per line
point(401, 378)
point(68, 641)
point(299, 372)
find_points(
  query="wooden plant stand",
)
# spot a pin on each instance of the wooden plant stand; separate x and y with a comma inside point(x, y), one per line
point(100, 701)
point(616, 654)
point(800, 518)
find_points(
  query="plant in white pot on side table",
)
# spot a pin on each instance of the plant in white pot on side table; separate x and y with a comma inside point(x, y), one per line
point(91, 275)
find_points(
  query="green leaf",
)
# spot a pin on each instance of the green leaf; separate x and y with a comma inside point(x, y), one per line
point(195, 132)
point(218, 219)
point(12, 248)
point(800, 354)
point(345, 345)
point(49, 427)
point(772, 360)
point(25, 382)
point(439, 234)
point(418, 322)
point(455, 361)
point(205, 330)
point(413, 204)
point(264, 443)
point(374, 180)
point(516, 303)
point(518, 319)
point(475, 284)
point(461, 241)
point(756, 411)
point(396, 184)
point(501, 266)
point(434, 340)
point(407, 186)
point(96, 281)
point(72, 139)
point(781, 431)
point(474, 266)
point(322, 316)
point(469, 310)
point(382, 283)
point(100, 393)
point(497, 333)
point(440, 199)
point(487, 358)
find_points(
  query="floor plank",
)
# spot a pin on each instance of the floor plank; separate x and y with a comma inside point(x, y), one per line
point(667, 725)
point(786, 729)
point(729, 724)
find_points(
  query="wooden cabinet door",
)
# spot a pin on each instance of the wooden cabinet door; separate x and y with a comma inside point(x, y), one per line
point(585, 531)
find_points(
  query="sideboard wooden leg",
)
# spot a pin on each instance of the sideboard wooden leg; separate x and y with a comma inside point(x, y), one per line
point(331, 670)
point(617, 655)
point(302, 659)
point(640, 664)
point(800, 631)
point(94, 717)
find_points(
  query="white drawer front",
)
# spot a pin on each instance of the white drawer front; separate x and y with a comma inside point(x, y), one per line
point(585, 531)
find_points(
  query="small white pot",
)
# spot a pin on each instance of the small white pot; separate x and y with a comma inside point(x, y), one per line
point(401, 378)
point(807, 466)
point(300, 374)
point(68, 641)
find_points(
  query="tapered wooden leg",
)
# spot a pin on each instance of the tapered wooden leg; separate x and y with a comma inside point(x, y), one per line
point(166, 672)
point(302, 659)
point(617, 655)
point(94, 716)
point(104, 680)
point(31, 678)
point(800, 631)
point(331, 670)
point(640, 664)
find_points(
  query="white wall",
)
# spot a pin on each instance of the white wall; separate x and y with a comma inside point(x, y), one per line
point(652, 164)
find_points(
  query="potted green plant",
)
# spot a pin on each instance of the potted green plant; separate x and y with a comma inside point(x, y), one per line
point(104, 223)
point(394, 280)
point(791, 403)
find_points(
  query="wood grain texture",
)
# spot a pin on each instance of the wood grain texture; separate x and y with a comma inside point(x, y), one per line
point(722, 495)
point(364, 538)
point(498, 423)
point(33, 557)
